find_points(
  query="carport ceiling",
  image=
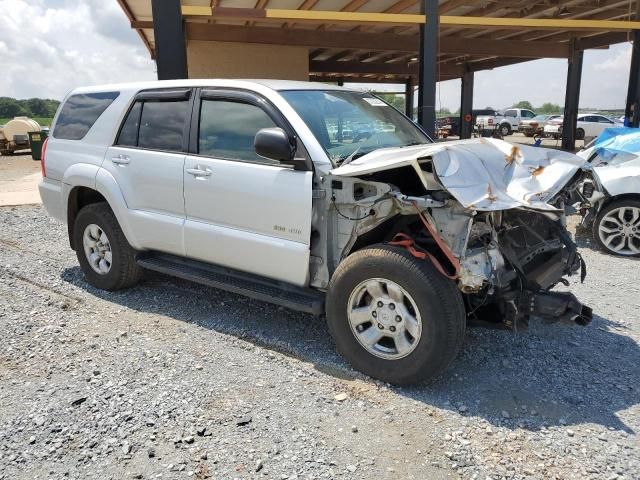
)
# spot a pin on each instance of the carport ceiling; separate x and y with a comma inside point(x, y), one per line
point(348, 41)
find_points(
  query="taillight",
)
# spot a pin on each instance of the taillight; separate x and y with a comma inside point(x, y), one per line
point(490, 121)
point(42, 157)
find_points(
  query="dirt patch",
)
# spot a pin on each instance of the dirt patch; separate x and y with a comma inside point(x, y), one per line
point(19, 178)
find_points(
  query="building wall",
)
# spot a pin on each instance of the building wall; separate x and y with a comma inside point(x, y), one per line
point(246, 60)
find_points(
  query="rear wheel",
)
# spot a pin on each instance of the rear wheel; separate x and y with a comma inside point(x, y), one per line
point(616, 229)
point(394, 317)
point(505, 129)
point(105, 256)
point(579, 134)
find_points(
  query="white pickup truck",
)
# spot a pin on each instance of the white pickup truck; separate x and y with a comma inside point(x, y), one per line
point(506, 123)
point(239, 185)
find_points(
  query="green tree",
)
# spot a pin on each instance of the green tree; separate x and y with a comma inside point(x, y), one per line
point(548, 108)
point(32, 107)
point(37, 107)
point(393, 99)
point(523, 104)
point(10, 107)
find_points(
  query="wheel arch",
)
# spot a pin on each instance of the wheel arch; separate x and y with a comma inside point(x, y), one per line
point(79, 197)
point(612, 199)
point(81, 191)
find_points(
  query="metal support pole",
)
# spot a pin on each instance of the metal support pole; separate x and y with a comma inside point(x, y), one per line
point(466, 105)
point(171, 52)
point(428, 71)
point(571, 99)
point(632, 109)
point(408, 98)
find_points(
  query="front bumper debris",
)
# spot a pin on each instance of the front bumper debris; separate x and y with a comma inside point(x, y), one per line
point(555, 307)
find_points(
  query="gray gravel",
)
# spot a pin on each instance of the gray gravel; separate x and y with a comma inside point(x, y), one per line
point(173, 380)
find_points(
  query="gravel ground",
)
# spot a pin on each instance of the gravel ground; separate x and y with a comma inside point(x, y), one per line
point(173, 380)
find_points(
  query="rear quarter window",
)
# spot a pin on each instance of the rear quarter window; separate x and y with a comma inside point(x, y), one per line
point(80, 112)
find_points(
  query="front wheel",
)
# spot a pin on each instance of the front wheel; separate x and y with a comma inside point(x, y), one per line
point(579, 134)
point(394, 317)
point(616, 229)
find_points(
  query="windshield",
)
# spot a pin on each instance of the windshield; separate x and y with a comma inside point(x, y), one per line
point(349, 125)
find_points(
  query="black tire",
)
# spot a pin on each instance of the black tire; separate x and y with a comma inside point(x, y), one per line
point(505, 129)
point(124, 271)
point(632, 203)
point(438, 301)
point(579, 134)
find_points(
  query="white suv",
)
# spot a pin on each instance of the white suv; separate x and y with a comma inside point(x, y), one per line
point(254, 187)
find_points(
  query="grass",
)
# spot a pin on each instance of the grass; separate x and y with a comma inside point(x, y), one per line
point(43, 121)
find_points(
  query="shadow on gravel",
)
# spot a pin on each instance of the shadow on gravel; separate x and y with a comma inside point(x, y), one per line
point(547, 376)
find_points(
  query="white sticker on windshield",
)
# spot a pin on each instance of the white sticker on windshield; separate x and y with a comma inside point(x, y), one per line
point(375, 102)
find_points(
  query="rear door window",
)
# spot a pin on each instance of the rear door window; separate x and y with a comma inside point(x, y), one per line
point(162, 125)
point(80, 112)
point(156, 125)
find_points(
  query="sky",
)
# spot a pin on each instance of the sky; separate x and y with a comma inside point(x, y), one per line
point(52, 46)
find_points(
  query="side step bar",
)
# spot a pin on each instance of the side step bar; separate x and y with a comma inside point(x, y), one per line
point(253, 286)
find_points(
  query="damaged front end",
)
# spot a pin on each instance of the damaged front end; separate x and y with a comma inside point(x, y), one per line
point(485, 212)
point(513, 260)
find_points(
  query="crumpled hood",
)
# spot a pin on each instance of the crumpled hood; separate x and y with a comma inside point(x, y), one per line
point(484, 174)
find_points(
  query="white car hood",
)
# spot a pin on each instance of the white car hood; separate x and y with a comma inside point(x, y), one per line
point(484, 174)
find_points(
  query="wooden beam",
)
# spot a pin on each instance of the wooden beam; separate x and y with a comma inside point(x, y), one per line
point(342, 17)
point(354, 79)
point(363, 68)
point(379, 69)
point(535, 11)
point(370, 41)
point(302, 37)
point(463, 46)
point(320, 77)
point(324, 16)
point(306, 5)
point(604, 40)
point(538, 23)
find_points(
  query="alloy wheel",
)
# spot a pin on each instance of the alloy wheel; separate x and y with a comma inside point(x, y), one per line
point(384, 319)
point(97, 249)
point(619, 230)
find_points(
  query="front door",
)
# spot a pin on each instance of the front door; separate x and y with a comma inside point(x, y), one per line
point(244, 211)
point(147, 162)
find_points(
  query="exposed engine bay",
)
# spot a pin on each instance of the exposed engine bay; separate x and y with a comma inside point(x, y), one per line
point(487, 214)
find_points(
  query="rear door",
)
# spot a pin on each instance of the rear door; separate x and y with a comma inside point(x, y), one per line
point(603, 123)
point(147, 161)
point(512, 117)
point(244, 211)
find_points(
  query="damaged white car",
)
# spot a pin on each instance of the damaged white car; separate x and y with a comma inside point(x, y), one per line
point(609, 197)
point(320, 199)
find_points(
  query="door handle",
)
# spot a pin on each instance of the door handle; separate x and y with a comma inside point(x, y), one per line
point(199, 172)
point(121, 160)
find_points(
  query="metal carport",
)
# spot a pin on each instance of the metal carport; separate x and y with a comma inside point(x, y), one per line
point(394, 41)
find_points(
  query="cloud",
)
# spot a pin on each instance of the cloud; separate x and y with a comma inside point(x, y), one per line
point(52, 46)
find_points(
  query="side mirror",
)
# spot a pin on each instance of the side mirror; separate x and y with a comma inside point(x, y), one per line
point(274, 144)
